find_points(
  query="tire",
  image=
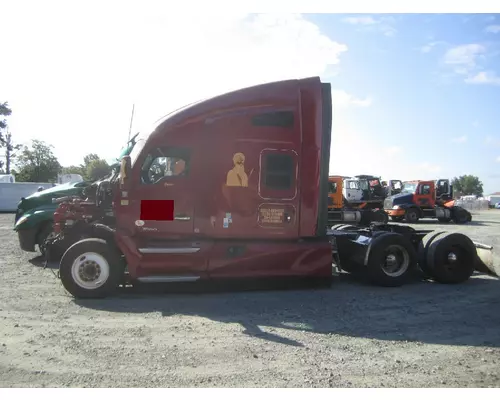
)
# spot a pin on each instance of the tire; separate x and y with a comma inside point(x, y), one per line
point(461, 216)
point(347, 228)
point(336, 227)
point(399, 248)
point(45, 233)
point(397, 219)
point(411, 215)
point(423, 248)
point(451, 258)
point(101, 253)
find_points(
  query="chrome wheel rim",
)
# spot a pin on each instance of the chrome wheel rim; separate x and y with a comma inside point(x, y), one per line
point(90, 271)
point(396, 261)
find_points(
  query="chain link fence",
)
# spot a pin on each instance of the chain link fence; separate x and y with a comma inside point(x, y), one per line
point(473, 204)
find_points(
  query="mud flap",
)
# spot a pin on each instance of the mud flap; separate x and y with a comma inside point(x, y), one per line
point(487, 260)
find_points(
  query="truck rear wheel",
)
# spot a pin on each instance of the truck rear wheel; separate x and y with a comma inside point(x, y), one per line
point(392, 260)
point(411, 215)
point(423, 248)
point(451, 258)
point(461, 216)
point(91, 268)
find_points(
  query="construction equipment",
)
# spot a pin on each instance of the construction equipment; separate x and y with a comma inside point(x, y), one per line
point(426, 199)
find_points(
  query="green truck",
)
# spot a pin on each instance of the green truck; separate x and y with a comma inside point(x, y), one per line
point(34, 218)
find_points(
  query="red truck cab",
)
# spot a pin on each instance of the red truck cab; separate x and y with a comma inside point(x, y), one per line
point(247, 173)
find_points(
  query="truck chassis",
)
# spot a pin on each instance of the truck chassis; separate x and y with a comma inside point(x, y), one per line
point(387, 255)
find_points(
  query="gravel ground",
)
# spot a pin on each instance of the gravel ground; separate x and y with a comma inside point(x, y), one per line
point(352, 335)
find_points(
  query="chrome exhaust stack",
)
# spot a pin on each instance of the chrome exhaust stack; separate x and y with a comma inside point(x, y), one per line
point(487, 261)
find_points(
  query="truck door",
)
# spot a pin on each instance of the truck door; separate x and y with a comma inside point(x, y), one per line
point(424, 196)
point(163, 198)
point(352, 192)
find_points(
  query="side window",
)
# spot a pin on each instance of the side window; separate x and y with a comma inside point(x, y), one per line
point(283, 119)
point(353, 185)
point(332, 187)
point(164, 162)
point(426, 189)
point(280, 172)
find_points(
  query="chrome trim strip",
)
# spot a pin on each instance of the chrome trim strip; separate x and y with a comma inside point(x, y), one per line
point(166, 279)
point(169, 250)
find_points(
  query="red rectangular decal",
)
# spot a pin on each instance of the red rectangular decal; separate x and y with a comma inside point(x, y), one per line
point(157, 210)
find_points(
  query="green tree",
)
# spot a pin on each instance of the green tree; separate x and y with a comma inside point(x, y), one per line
point(92, 169)
point(467, 185)
point(97, 169)
point(74, 169)
point(38, 163)
point(5, 111)
point(11, 150)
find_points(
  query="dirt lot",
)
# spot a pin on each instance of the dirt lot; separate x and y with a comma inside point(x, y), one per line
point(352, 335)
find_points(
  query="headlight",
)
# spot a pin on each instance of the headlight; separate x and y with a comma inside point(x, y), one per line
point(395, 207)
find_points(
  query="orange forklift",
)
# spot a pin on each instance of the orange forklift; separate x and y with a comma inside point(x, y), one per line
point(426, 199)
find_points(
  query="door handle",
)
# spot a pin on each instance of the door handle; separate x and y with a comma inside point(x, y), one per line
point(182, 217)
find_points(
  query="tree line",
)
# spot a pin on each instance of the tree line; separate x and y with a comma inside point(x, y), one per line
point(37, 162)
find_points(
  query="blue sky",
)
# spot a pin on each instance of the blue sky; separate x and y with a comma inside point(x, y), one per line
point(414, 95)
point(419, 71)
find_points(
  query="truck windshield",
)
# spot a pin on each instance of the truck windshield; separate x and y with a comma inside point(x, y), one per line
point(141, 141)
point(409, 187)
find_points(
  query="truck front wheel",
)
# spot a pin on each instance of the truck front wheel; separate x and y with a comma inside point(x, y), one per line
point(91, 268)
point(411, 215)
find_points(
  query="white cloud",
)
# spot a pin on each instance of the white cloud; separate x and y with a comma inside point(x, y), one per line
point(461, 139)
point(75, 71)
point(429, 46)
point(343, 99)
point(490, 140)
point(366, 20)
point(484, 78)
point(426, 167)
point(393, 150)
point(493, 29)
point(464, 58)
point(382, 24)
point(498, 159)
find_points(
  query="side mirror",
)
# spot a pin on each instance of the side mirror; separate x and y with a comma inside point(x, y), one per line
point(125, 170)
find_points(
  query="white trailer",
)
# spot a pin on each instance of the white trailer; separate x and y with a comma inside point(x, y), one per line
point(11, 193)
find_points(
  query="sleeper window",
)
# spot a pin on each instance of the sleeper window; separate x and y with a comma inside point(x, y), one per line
point(280, 171)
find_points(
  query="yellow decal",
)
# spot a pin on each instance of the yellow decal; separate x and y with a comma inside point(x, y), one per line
point(237, 175)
